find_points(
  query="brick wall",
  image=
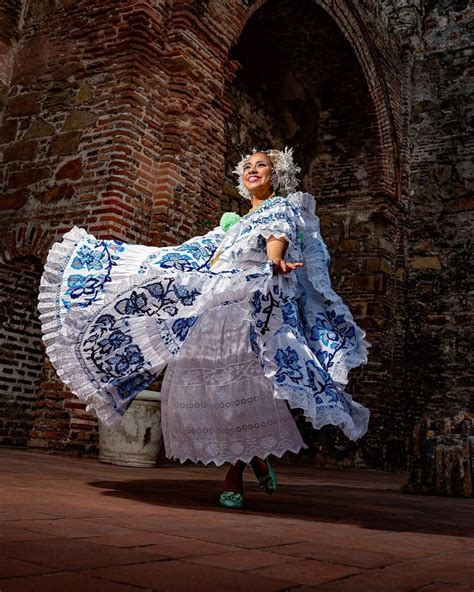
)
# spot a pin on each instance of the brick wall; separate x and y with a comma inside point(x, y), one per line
point(21, 349)
point(126, 118)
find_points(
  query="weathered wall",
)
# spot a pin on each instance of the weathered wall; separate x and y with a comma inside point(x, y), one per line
point(122, 117)
point(10, 22)
point(440, 304)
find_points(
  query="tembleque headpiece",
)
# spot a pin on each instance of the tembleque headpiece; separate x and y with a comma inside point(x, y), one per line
point(284, 174)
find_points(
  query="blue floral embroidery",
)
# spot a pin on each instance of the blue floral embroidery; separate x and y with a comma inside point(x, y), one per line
point(97, 256)
point(80, 285)
point(132, 356)
point(89, 258)
point(334, 332)
point(114, 341)
point(287, 361)
point(290, 315)
point(129, 386)
point(312, 371)
point(256, 301)
point(330, 327)
point(254, 341)
point(187, 298)
point(252, 276)
point(177, 261)
point(264, 306)
point(322, 385)
point(120, 363)
point(156, 290)
point(137, 303)
point(181, 327)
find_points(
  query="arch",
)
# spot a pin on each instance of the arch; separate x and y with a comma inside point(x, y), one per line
point(383, 88)
point(25, 240)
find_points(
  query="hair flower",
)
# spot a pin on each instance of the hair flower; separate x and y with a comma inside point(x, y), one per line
point(228, 219)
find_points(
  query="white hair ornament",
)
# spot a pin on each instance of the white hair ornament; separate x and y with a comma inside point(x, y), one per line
point(284, 174)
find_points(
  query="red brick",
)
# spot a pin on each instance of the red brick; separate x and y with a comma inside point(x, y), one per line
point(70, 170)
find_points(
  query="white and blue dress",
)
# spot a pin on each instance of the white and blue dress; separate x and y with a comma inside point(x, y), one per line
point(240, 344)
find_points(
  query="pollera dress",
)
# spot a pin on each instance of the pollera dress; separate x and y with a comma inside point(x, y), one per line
point(240, 344)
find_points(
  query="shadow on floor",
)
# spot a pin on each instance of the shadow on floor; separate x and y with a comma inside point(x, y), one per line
point(365, 507)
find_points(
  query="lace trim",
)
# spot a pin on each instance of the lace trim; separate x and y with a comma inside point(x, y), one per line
point(215, 376)
point(243, 449)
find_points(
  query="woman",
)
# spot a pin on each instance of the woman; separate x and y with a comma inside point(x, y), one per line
point(244, 317)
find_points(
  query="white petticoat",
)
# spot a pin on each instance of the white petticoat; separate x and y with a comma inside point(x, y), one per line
point(217, 404)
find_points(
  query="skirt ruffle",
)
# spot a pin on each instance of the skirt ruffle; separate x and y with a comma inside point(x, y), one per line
point(111, 326)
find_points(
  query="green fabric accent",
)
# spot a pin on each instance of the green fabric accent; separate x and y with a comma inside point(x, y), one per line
point(228, 219)
point(302, 236)
point(269, 482)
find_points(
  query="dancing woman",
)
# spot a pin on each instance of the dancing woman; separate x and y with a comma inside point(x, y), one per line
point(244, 318)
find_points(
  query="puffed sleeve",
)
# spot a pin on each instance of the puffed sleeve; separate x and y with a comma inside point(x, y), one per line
point(280, 218)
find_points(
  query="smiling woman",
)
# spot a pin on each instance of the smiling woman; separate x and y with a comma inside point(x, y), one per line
point(244, 317)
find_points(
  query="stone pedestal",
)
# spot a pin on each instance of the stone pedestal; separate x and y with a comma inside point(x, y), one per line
point(442, 457)
point(137, 442)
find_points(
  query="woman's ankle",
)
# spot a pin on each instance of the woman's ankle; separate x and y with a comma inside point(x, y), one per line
point(259, 466)
point(234, 480)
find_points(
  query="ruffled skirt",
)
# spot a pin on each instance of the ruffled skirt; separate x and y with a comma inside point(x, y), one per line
point(217, 404)
point(240, 343)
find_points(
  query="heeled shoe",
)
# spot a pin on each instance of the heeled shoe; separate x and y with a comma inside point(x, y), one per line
point(269, 482)
point(231, 499)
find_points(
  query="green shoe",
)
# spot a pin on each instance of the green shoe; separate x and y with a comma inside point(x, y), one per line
point(269, 482)
point(231, 499)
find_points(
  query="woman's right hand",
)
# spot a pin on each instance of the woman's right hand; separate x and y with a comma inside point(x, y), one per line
point(283, 267)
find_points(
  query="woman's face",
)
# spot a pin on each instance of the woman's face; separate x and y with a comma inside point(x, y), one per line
point(258, 175)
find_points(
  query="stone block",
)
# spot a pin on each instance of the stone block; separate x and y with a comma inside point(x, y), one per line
point(428, 262)
point(464, 202)
point(56, 193)
point(39, 129)
point(13, 201)
point(59, 99)
point(377, 265)
point(8, 130)
point(349, 244)
point(20, 151)
point(363, 283)
point(64, 144)
point(28, 104)
point(70, 170)
point(28, 176)
point(77, 120)
point(84, 94)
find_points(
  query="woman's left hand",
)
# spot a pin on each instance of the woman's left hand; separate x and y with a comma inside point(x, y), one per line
point(281, 266)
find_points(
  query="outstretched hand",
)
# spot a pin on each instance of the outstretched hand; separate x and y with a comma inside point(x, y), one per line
point(281, 266)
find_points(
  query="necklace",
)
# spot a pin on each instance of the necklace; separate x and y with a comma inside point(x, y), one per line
point(254, 209)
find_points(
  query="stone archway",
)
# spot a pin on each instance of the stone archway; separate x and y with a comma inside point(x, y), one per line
point(375, 49)
point(300, 82)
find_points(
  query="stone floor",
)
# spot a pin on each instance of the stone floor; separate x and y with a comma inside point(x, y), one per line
point(70, 524)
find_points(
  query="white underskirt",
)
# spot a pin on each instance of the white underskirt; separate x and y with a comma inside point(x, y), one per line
point(217, 404)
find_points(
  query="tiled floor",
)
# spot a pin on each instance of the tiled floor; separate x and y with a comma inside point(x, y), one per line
point(69, 524)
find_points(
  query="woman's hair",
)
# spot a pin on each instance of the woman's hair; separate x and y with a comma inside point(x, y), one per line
point(284, 172)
